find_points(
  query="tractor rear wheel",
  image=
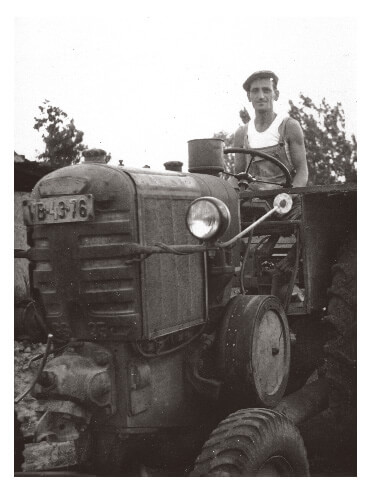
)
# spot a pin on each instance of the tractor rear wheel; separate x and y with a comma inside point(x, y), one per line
point(340, 362)
point(341, 348)
point(254, 442)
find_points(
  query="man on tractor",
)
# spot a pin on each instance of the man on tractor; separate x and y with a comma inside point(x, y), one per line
point(281, 137)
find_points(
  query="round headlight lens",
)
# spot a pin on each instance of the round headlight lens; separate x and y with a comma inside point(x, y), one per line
point(207, 217)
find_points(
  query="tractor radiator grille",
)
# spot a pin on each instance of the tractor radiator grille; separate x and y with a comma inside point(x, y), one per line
point(87, 290)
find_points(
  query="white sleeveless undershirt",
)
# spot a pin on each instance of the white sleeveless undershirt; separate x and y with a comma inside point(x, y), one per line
point(270, 137)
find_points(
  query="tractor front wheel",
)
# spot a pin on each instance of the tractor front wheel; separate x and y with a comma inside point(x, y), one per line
point(254, 442)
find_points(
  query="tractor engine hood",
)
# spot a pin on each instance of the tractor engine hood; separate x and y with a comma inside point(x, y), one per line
point(82, 219)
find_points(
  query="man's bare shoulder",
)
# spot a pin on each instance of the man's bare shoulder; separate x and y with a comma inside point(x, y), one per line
point(293, 130)
point(293, 127)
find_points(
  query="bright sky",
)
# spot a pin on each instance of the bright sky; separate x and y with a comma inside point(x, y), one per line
point(141, 84)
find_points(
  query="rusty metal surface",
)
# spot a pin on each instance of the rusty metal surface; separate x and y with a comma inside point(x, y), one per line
point(206, 156)
point(84, 373)
point(86, 288)
point(313, 189)
point(173, 287)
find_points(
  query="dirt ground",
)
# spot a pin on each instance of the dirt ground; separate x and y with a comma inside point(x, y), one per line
point(327, 447)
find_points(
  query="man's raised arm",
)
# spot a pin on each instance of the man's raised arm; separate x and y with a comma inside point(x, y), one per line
point(239, 159)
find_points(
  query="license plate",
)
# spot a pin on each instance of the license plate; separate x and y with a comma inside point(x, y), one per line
point(60, 209)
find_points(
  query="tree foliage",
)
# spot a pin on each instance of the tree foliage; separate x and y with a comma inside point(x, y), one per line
point(331, 157)
point(63, 141)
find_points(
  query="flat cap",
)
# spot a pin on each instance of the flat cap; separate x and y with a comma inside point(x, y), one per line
point(261, 74)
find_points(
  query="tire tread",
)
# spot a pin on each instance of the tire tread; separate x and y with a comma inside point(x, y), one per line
point(251, 432)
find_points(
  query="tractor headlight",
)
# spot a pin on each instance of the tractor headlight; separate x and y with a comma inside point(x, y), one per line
point(207, 218)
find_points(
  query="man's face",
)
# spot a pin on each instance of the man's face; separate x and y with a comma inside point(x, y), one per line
point(262, 95)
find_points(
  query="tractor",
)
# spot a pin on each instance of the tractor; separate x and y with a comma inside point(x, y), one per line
point(172, 342)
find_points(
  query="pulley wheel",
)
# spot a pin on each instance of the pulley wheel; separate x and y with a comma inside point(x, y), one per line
point(254, 350)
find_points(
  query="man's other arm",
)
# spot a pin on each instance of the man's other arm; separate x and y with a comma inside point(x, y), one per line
point(239, 159)
point(295, 138)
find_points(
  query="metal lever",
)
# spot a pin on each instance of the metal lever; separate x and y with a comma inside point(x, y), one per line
point(282, 205)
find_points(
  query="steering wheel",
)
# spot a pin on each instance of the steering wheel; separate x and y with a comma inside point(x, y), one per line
point(247, 176)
